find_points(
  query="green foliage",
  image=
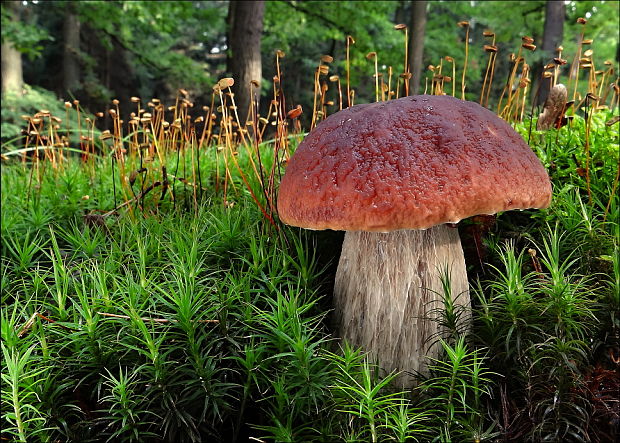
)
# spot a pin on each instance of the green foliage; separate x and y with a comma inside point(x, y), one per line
point(377, 412)
point(20, 374)
point(162, 46)
point(27, 38)
point(536, 326)
point(15, 104)
point(547, 314)
point(307, 30)
point(588, 217)
point(163, 38)
point(603, 17)
point(456, 390)
point(207, 324)
point(186, 321)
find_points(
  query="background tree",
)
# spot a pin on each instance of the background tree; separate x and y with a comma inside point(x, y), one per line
point(71, 48)
point(21, 35)
point(150, 49)
point(416, 43)
point(12, 77)
point(244, 42)
point(553, 34)
point(307, 30)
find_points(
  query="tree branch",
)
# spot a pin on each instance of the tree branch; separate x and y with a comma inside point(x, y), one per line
point(316, 16)
point(536, 9)
point(140, 56)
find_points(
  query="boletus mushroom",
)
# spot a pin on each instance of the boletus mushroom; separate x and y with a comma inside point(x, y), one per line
point(396, 176)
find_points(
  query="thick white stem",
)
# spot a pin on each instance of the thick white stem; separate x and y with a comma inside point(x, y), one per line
point(388, 293)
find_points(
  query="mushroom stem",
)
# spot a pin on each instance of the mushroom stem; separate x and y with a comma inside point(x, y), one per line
point(388, 293)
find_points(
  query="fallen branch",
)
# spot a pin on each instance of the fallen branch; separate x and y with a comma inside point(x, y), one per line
point(26, 327)
point(146, 191)
point(136, 198)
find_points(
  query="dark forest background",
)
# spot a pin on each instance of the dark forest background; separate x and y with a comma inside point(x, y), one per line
point(97, 51)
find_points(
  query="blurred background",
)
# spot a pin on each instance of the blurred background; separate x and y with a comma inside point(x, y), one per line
point(97, 51)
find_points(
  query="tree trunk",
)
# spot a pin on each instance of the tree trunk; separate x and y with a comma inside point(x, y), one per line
point(416, 43)
point(12, 76)
point(71, 49)
point(244, 40)
point(552, 38)
point(388, 294)
point(400, 13)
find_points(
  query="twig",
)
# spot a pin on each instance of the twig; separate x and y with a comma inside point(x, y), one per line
point(137, 197)
point(187, 182)
point(316, 16)
point(26, 327)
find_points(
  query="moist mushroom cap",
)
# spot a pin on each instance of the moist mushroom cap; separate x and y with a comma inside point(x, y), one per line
point(409, 163)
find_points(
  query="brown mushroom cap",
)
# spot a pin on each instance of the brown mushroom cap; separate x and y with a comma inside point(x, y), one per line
point(410, 163)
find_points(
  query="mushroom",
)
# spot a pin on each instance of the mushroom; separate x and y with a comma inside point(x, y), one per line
point(554, 108)
point(396, 176)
